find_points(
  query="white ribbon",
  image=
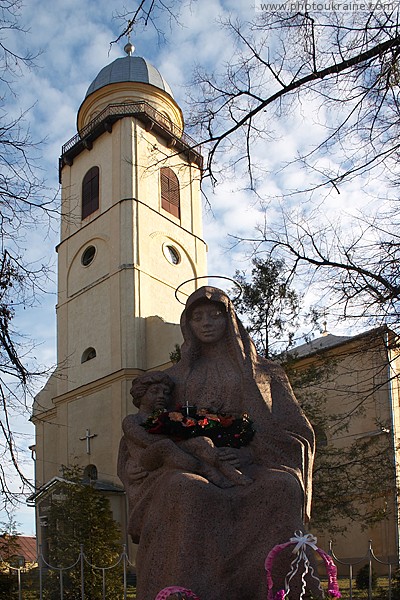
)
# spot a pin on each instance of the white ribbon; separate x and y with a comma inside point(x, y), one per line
point(302, 541)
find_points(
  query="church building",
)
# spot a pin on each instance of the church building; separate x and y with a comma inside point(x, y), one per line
point(131, 233)
point(357, 381)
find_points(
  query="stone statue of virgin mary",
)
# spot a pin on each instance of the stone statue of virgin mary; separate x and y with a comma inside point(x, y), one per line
point(191, 532)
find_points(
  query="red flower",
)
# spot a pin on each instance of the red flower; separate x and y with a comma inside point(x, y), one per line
point(157, 428)
point(202, 422)
point(226, 421)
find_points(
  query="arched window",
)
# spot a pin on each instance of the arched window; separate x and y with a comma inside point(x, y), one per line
point(90, 192)
point(89, 354)
point(90, 474)
point(170, 200)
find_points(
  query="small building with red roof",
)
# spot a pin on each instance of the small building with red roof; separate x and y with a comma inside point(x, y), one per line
point(18, 551)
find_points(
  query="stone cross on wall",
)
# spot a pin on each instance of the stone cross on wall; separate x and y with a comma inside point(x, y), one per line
point(88, 437)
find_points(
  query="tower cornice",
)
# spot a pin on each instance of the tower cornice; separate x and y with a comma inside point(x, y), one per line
point(152, 119)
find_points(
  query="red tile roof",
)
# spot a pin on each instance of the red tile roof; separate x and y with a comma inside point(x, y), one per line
point(25, 545)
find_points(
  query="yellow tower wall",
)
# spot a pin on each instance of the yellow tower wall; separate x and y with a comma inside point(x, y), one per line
point(123, 303)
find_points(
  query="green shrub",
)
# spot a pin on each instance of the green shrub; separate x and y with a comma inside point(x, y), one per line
point(362, 579)
point(8, 585)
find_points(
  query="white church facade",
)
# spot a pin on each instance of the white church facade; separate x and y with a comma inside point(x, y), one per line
point(131, 233)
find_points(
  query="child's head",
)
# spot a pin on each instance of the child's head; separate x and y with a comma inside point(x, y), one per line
point(152, 390)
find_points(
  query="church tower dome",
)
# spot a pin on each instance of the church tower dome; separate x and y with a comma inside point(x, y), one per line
point(130, 68)
point(129, 79)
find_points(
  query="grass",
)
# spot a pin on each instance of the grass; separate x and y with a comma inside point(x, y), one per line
point(381, 591)
point(32, 595)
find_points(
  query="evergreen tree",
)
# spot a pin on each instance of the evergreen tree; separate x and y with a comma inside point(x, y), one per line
point(81, 516)
point(271, 308)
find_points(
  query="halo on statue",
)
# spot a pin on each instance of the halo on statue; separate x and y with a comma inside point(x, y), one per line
point(178, 289)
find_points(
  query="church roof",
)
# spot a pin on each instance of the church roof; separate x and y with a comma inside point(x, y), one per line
point(328, 341)
point(55, 482)
point(129, 68)
point(318, 345)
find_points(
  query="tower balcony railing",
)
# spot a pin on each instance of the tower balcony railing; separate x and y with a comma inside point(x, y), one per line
point(153, 120)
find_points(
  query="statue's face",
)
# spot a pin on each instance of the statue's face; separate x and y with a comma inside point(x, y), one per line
point(208, 322)
point(156, 397)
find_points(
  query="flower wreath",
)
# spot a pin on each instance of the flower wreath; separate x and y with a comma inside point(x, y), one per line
point(187, 422)
point(301, 542)
point(168, 591)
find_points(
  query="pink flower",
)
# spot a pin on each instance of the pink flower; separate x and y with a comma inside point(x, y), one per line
point(175, 416)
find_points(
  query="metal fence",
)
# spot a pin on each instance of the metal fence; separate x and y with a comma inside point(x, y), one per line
point(387, 587)
point(37, 589)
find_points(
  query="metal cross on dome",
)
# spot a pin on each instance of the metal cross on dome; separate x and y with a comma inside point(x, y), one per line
point(88, 437)
point(129, 48)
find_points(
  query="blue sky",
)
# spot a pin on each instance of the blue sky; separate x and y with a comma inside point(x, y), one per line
point(72, 39)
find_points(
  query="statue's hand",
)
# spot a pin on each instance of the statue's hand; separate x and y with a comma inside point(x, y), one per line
point(230, 455)
point(136, 474)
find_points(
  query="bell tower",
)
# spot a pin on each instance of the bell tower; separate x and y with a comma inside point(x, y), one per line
point(131, 232)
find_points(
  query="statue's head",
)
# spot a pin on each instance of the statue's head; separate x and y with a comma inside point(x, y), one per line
point(208, 321)
point(207, 293)
point(153, 389)
point(206, 314)
point(209, 317)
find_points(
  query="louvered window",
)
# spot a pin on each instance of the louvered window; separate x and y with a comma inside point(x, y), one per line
point(170, 200)
point(90, 192)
